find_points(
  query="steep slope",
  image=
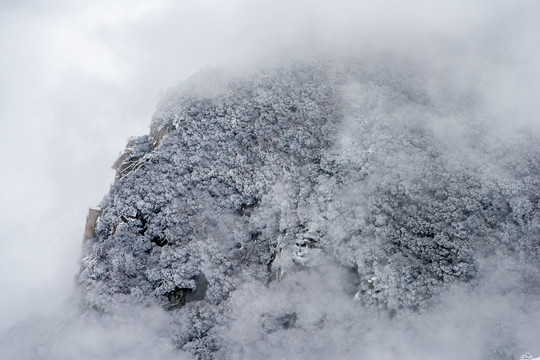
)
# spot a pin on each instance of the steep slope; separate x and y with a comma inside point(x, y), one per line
point(354, 182)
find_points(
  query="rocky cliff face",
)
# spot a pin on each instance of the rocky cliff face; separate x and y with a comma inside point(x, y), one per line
point(278, 196)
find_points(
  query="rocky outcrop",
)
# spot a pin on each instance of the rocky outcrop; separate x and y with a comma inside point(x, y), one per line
point(91, 222)
point(304, 166)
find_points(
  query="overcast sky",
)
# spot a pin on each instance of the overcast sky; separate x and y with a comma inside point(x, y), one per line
point(78, 78)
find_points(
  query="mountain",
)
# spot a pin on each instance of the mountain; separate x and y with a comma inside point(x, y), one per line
point(322, 208)
point(334, 176)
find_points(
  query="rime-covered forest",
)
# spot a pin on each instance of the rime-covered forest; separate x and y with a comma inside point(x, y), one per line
point(313, 208)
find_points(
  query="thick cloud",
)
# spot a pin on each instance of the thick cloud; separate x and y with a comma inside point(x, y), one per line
point(78, 78)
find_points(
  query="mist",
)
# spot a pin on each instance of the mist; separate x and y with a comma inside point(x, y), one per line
point(78, 80)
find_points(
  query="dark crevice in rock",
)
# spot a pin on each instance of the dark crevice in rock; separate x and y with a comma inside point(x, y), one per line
point(181, 296)
point(143, 221)
point(247, 208)
point(255, 235)
point(160, 241)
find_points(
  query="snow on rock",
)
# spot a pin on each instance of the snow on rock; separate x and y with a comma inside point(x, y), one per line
point(343, 169)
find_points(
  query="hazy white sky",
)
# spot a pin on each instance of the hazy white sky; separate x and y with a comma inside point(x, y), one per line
point(78, 78)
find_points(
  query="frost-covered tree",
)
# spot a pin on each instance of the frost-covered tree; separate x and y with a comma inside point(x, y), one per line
point(335, 178)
